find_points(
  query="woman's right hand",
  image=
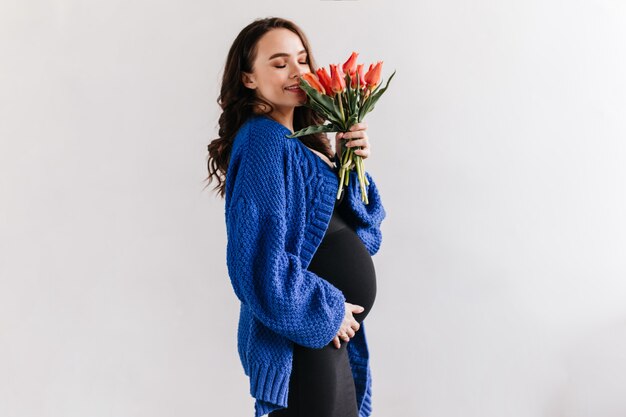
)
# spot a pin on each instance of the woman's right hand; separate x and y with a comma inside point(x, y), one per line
point(349, 325)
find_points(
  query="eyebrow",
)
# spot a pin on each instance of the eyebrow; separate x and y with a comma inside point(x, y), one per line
point(285, 54)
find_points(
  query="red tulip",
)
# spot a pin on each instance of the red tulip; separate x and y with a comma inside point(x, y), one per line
point(324, 78)
point(312, 80)
point(337, 79)
point(372, 77)
point(357, 74)
point(350, 65)
point(361, 70)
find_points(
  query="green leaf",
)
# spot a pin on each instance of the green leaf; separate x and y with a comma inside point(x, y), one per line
point(365, 109)
point(353, 119)
point(350, 94)
point(313, 129)
point(324, 101)
point(368, 106)
point(380, 93)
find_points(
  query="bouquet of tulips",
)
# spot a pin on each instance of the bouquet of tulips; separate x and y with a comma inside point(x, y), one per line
point(343, 98)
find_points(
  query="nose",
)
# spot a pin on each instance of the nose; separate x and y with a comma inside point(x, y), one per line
point(298, 71)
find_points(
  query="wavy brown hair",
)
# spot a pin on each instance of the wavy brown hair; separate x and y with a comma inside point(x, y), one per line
point(239, 103)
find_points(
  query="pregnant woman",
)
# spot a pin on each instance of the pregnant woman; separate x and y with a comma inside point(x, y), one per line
point(322, 383)
point(299, 260)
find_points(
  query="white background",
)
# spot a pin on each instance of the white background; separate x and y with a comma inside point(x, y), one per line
point(498, 151)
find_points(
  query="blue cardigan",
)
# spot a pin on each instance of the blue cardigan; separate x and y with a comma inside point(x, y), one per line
point(279, 198)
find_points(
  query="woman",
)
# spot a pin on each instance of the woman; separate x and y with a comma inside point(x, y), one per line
point(299, 259)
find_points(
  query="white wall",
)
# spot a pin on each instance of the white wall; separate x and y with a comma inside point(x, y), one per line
point(499, 151)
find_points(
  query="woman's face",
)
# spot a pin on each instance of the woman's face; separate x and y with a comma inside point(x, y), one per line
point(280, 61)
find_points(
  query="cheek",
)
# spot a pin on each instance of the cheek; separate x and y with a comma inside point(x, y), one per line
point(267, 85)
point(273, 82)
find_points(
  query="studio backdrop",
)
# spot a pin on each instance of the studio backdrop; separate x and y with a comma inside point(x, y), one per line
point(498, 151)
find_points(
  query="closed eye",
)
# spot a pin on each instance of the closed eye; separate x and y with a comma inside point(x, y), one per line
point(283, 66)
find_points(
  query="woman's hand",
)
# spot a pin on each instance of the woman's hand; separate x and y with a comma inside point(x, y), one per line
point(358, 137)
point(349, 325)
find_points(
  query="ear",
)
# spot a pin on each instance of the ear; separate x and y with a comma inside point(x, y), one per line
point(248, 80)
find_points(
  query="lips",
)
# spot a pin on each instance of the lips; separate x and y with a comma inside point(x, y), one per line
point(294, 87)
point(297, 91)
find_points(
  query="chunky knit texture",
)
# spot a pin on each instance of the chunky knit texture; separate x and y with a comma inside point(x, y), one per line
point(279, 198)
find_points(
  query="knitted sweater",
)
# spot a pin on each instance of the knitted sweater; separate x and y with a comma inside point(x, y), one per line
point(279, 198)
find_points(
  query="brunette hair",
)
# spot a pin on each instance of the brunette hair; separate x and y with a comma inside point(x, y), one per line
point(239, 103)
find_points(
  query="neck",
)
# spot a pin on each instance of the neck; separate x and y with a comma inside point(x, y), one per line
point(284, 117)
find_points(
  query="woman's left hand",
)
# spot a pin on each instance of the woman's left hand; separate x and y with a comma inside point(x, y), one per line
point(358, 137)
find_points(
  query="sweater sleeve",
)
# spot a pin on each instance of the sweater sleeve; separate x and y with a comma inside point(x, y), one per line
point(268, 278)
point(366, 218)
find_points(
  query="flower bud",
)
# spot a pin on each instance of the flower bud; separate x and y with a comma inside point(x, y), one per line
point(350, 65)
point(372, 77)
point(338, 81)
point(324, 79)
point(312, 80)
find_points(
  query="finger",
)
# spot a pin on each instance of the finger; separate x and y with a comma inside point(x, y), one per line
point(353, 323)
point(351, 332)
point(336, 342)
point(354, 135)
point(345, 337)
point(358, 142)
point(357, 308)
point(358, 126)
point(355, 326)
point(363, 153)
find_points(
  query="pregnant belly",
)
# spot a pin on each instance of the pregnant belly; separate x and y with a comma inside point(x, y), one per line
point(343, 260)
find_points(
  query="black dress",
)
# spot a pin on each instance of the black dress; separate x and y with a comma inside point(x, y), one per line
point(321, 382)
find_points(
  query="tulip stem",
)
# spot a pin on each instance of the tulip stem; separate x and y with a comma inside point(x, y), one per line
point(342, 173)
point(359, 169)
point(339, 96)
